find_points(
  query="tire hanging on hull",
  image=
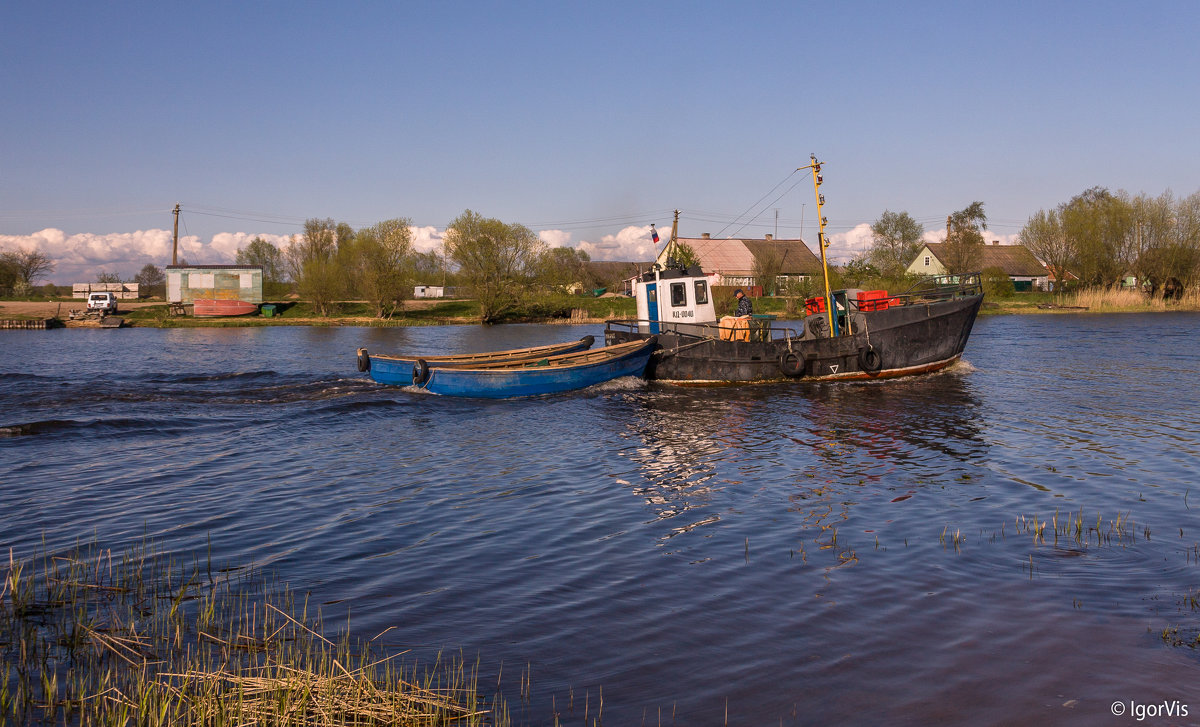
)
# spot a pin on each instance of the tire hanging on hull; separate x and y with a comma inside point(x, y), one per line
point(791, 364)
point(420, 372)
point(869, 360)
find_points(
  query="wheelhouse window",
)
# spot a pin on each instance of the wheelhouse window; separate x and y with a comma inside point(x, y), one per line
point(701, 292)
point(678, 295)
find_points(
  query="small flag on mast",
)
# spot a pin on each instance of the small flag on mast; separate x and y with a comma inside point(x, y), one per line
point(654, 234)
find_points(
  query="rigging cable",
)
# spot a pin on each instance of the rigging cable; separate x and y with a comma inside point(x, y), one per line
point(760, 199)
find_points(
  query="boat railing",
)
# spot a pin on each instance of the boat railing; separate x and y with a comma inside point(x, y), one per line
point(945, 287)
point(756, 330)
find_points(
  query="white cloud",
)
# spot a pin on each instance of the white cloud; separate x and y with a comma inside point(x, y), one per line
point(632, 244)
point(845, 246)
point(555, 238)
point(81, 257)
point(988, 236)
point(426, 238)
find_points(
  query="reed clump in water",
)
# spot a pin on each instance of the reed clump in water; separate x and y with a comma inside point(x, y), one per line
point(92, 639)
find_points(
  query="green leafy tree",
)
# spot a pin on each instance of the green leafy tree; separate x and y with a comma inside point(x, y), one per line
point(896, 240)
point(266, 256)
point(860, 271)
point(378, 260)
point(964, 239)
point(684, 255)
point(1099, 225)
point(996, 283)
point(497, 260)
point(561, 267)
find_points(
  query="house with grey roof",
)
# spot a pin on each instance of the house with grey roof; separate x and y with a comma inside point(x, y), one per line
point(1016, 261)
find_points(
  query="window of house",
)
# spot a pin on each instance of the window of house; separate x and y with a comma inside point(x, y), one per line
point(678, 294)
point(926, 261)
point(701, 292)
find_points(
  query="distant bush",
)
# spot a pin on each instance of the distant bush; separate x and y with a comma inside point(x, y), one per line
point(997, 284)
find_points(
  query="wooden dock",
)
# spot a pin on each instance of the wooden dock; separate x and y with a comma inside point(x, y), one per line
point(30, 324)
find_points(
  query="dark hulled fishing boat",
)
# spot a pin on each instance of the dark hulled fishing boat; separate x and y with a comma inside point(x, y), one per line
point(848, 334)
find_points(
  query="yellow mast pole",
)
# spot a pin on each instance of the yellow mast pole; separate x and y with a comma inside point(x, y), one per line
point(822, 243)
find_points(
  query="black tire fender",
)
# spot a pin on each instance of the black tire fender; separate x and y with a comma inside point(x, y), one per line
point(869, 360)
point(588, 340)
point(790, 363)
point(420, 372)
point(364, 360)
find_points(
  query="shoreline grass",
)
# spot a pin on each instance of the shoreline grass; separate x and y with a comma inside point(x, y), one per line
point(575, 310)
point(89, 637)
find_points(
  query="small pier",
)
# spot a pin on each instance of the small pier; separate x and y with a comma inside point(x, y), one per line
point(30, 324)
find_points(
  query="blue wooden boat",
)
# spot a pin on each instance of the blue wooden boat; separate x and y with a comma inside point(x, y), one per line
point(531, 378)
point(398, 370)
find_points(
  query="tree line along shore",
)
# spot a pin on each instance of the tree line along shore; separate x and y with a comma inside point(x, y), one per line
point(1104, 251)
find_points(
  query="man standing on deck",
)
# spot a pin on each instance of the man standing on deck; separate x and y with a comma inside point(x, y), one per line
point(744, 308)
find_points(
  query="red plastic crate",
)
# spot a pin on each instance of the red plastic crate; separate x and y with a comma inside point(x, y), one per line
point(872, 300)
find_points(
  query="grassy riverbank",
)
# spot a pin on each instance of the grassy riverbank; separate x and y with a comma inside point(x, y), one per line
point(562, 309)
point(93, 637)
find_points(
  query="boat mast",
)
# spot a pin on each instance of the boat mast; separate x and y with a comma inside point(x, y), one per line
point(822, 242)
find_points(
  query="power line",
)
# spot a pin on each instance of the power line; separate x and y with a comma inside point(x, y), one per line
point(760, 199)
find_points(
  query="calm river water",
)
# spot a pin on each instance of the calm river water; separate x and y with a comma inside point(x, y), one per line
point(795, 554)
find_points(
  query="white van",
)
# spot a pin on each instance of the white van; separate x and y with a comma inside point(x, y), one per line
point(102, 302)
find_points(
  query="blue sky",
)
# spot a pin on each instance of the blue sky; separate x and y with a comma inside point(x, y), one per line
point(586, 122)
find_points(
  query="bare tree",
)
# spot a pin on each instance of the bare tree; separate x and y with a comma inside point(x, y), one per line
point(313, 265)
point(150, 279)
point(266, 256)
point(28, 265)
point(1045, 237)
point(768, 264)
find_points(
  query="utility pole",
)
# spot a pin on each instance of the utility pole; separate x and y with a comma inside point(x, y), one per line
point(175, 238)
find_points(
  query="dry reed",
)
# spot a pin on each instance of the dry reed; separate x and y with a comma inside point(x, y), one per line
point(95, 639)
point(1109, 300)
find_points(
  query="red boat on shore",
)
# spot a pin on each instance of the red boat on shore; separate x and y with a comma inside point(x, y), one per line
point(207, 307)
